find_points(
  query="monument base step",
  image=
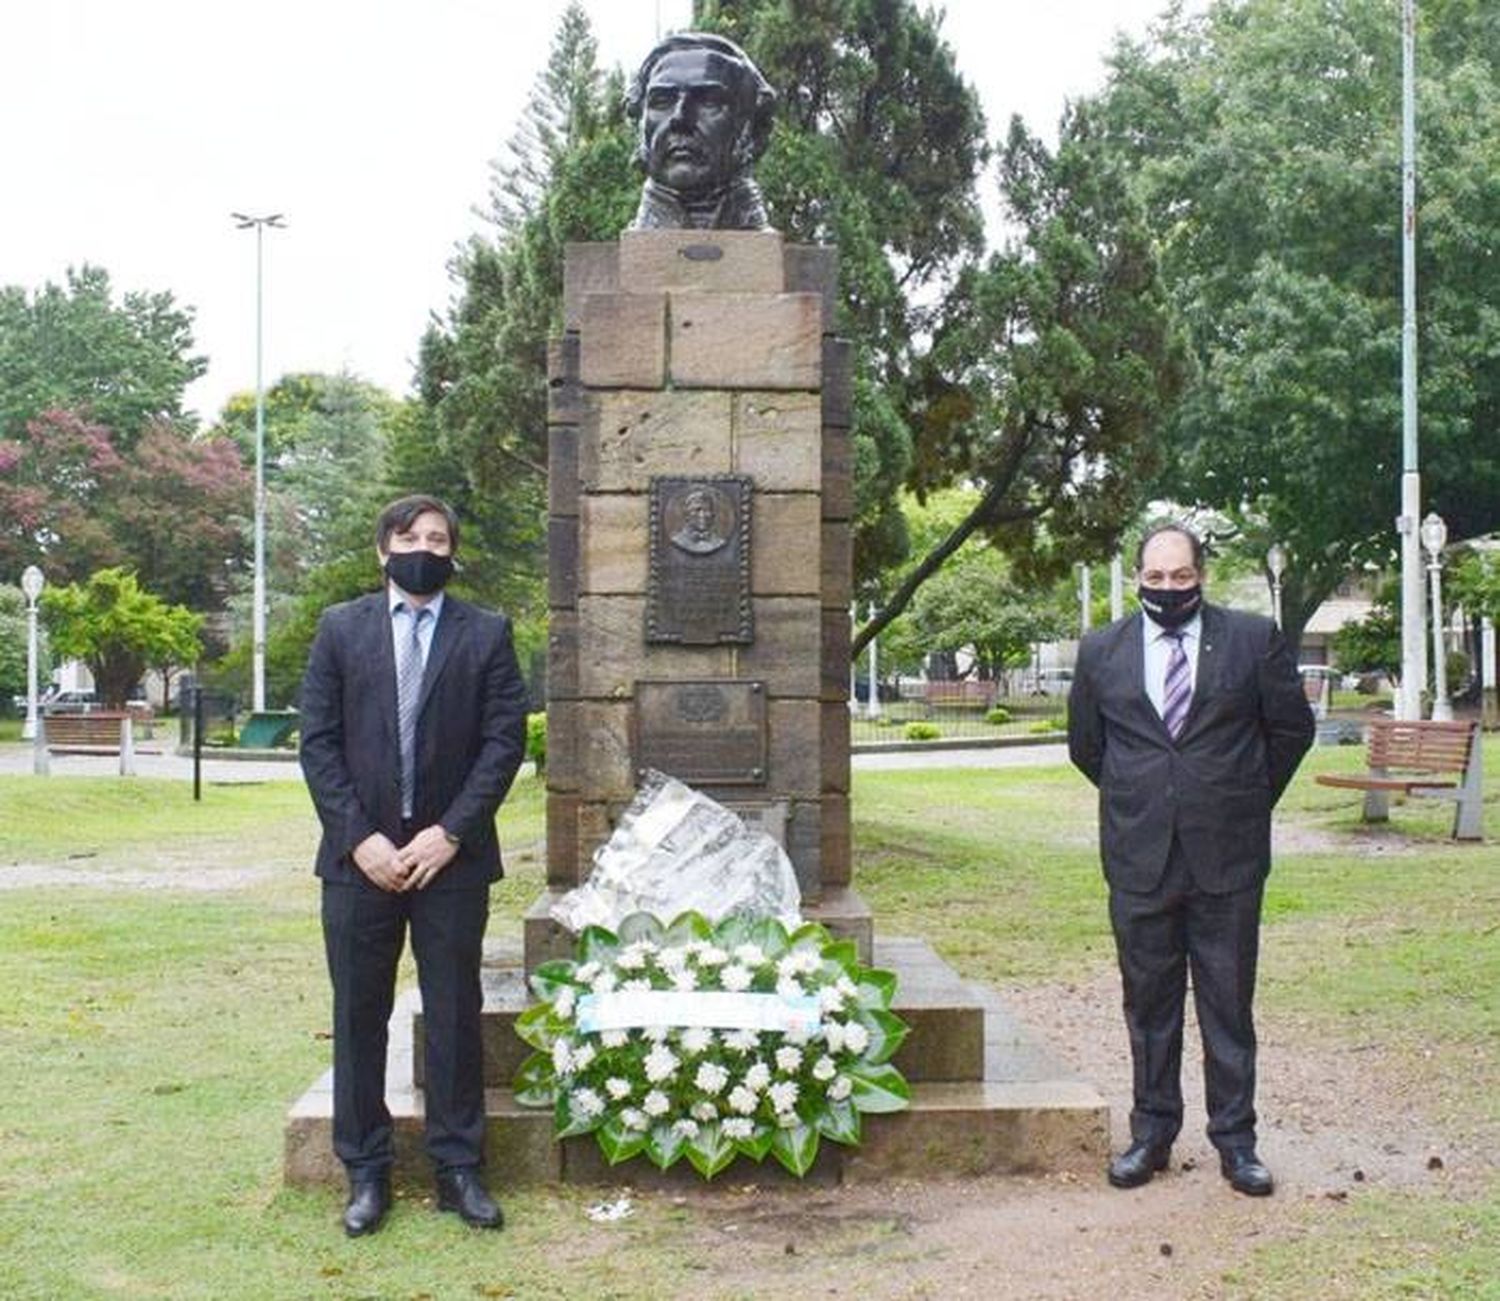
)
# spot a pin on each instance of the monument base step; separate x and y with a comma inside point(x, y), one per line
point(1027, 1114)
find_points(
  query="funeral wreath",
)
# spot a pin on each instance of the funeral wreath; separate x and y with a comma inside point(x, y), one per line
point(709, 1042)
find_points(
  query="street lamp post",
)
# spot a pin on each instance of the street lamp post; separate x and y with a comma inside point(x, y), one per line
point(258, 614)
point(32, 583)
point(1434, 539)
point(1276, 563)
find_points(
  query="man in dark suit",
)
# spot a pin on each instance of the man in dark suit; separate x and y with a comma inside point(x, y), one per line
point(1190, 719)
point(413, 726)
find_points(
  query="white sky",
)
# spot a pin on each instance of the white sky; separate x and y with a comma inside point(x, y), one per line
point(132, 128)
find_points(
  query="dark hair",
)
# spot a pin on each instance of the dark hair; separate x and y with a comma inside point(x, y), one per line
point(402, 514)
point(1171, 526)
point(757, 99)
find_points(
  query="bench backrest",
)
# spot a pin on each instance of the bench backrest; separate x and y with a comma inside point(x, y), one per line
point(83, 729)
point(1408, 746)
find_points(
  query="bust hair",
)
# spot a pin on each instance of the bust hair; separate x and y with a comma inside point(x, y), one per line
point(1170, 526)
point(402, 514)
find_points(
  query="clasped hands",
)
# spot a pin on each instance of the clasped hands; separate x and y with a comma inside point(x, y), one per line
point(413, 866)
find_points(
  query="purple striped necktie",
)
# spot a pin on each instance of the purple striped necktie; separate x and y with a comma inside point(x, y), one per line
point(1177, 693)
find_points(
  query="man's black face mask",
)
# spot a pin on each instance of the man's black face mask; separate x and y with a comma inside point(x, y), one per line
point(1170, 607)
point(419, 572)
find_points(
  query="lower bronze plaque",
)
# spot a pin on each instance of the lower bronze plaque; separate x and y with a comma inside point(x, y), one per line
point(702, 732)
point(698, 576)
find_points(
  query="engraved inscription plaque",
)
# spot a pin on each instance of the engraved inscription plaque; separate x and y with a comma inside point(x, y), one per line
point(703, 732)
point(698, 583)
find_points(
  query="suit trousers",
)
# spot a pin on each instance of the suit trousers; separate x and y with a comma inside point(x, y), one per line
point(364, 929)
point(1160, 936)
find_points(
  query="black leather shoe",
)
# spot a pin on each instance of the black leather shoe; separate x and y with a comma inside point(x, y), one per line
point(1138, 1162)
point(1245, 1172)
point(461, 1191)
point(369, 1200)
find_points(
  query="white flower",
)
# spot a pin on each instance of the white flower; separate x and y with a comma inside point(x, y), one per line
point(787, 1119)
point(661, 1064)
point(737, 1127)
point(789, 987)
point(656, 1103)
point(758, 1076)
point(743, 1100)
point(786, 965)
point(586, 1104)
point(562, 1057)
point(705, 1111)
point(582, 1056)
point(806, 961)
point(824, 1069)
point(685, 980)
point(846, 987)
point(840, 1089)
point(633, 1118)
point(615, 1038)
point(735, 978)
point(604, 982)
point(655, 1033)
point(783, 1095)
point(630, 959)
point(671, 959)
point(752, 955)
point(687, 1128)
point(797, 1035)
point(830, 999)
point(833, 1035)
point(636, 985)
point(618, 1088)
point(856, 1037)
point(563, 1003)
point(742, 1041)
point(711, 955)
point(711, 1077)
point(696, 1039)
point(587, 972)
point(789, 1060)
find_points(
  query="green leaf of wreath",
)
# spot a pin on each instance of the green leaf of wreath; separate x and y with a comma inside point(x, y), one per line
point(732, 931)
point(876, 986)
point(710, 1151)
point(535, 1084)
point(550, 977)
point(845, 953)
point(839, 1121)
point(597, 945)
point(811, 933)
point(796, 1148)
point(536, 1026)
point(664, 1146)
point(567, 1123)
point(771, 935)
point(879, 1088)
point(758, 1144)
point(641, 926)
point(887, 1030)
point(687, 927)
point(618, 1143)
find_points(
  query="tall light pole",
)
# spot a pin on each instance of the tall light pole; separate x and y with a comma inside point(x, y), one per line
point(32, 583)
point(1435, 538)
point(1276, 563)
point(1413, 650)
point(872, 701)
point(258, 614)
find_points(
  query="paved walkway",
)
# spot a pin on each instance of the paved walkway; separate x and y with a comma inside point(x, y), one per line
point(16, 758)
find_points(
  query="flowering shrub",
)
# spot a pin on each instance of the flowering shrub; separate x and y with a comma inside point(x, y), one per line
point(711, 1093)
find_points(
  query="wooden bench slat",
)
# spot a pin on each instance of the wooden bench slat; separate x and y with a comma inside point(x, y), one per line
point(1415, 758)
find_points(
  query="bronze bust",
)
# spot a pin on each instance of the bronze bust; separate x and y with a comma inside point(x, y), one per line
point(705, 115)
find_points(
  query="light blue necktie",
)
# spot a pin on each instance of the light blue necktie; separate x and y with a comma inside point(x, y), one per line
point(1177, 694)
point(408, 693)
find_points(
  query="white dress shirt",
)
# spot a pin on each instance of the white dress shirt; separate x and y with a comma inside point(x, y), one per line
point(1158, 649)
point(403, 612)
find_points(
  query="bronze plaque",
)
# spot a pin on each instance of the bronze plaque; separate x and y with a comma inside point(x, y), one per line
point(698, 582)
point(702, 732)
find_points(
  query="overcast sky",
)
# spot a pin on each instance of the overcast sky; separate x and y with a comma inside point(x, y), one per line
point(132, 128)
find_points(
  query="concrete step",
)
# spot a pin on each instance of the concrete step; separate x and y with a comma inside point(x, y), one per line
point(1028, 1114)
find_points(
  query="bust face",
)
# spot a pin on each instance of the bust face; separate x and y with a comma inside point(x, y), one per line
point(689, 123)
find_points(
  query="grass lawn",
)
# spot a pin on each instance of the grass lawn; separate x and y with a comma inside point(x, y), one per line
point(151, 1037)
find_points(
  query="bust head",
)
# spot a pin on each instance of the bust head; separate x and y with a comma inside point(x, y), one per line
point(704, 112)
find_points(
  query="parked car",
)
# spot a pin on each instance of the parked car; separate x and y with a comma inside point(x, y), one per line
point(71, 702)
point(1053, 682)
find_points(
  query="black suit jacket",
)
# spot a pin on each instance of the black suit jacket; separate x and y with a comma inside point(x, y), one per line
point(470, 735)
point(1214, 787)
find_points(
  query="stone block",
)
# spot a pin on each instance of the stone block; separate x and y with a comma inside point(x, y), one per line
point(777, 440)
point(562, 838)
point(744, 341)
point(785, 545)
point(838, 382)
point(623, 342)
point(794, 748)
point(838, 563)
point(834, 744)
point(562, 654)
point(612, 544)
point(587, 269)
point(605, 768)
point(542, 938)
point(833, 658)
point(613, 652)
point(804, 846)
point(784, 654)
point(562, 561)
point(565, 400)
point(628, 436)
point(846, 916)
point(562, 469)
point(814, 269)
point(836, 859)
point(838, 473)
point(562, 744)
point(708, 261)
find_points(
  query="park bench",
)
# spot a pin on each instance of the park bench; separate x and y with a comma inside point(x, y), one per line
point(100, 732)
point(1437, 760)
point(968, 693)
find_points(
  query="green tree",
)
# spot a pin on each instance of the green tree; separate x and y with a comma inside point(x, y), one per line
point(13, 638)
point(118, 630)
point(1263, 139)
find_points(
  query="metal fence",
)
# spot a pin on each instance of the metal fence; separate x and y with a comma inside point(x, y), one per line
point(932, 718)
